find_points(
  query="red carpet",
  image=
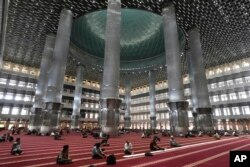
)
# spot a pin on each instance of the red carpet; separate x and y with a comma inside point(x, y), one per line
point(198, 151)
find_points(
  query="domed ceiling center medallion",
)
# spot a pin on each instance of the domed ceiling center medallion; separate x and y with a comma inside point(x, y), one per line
point(142, 38)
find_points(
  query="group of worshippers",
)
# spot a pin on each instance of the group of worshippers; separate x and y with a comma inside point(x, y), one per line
point(99, 153)
point(16, 147)
point(155, 147)
point(6, 137)
point(97, 150)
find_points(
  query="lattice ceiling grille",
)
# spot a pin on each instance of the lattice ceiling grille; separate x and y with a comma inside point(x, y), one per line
point(223, 24)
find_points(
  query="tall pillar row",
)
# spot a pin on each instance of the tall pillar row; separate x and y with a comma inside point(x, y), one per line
point(41, 90)
point(198, 82)
point(178, 106)
point(109, 98)
point(127, 117)
point(77, 98)
point(152, 100)
point(56, 76)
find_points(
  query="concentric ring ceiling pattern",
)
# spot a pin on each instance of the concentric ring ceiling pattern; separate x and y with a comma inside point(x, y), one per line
point(142, 38)
point(141, 34)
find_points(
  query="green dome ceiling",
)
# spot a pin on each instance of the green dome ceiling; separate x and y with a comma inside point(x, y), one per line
point(142, 36)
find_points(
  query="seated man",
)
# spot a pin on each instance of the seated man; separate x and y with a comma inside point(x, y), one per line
point(9, 137)
point(96, 135)
point(63, 157)
point(147, 134)
point(33, 131)
point(143, 135)
point(189, 134)
point(173, 143)
point(154, 146)
point(84, 134)
point(128, 148)
point(217, 136)
point(52, 133)
point(57, 136)
point(29, 132)
point(16, 148)
point(200, 134)
point(163, 133)
point(210, 134)
point(234, 133)
point(3, 138)
point(226, 133)
point(97, 152)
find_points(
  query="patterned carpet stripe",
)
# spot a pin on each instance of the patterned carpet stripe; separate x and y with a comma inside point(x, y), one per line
point(80, 149)
point(204, 155)
point(74, 150)
point(214, 157)
point(171, 152)
point(186, 158)
point(204, 151)
point(56, 146)
point(81, 159)
point(89, 161)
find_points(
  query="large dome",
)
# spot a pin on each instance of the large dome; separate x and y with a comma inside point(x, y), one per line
point(142, 38)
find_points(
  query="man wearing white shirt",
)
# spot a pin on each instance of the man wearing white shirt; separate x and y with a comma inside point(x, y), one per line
point(128, 148)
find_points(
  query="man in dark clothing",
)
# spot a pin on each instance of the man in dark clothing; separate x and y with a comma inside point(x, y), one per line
point(154, 146)
point(97, 152)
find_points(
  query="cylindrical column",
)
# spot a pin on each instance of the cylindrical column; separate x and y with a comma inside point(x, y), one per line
point(152, 100)
point(244, 125)
point(41, 90)
point(178, 107)
point(173, 58)
point(127, 117)
point(224, 124)
point(109, 99)
point(60, 53)
point(111, 73)
point(198, 82)
point(77, 98)
point(57, 71)
point(7, 123)
point(4, 28)
point(195, 122)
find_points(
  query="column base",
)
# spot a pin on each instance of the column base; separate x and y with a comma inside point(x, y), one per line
point(37, 128)
point(179, 122)
point(112, 131)
point(109, 116)
point(153, 122)
point(234, 122)
point(75, 121)
point(51, 117)
point(7, 124)
point(36, 119)
point(127, 122)
point(205, 119)
point(195, 114)
point(47, 130)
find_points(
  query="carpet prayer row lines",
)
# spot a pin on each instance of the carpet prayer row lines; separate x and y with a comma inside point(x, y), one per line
point(42, 151)
point(4, 153)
